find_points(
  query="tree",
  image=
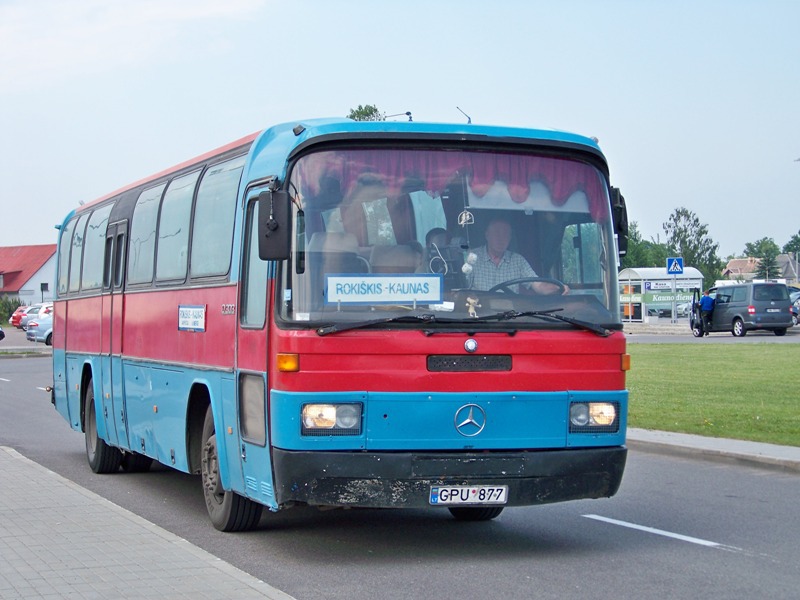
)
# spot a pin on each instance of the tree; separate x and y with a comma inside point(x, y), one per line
point(768, 266)
point(643, 253)
point(7, 307)
point(766, 251)
point(761, 248)
point(793, 245)
point(368, 112)
point(688, 237)
point(636, 256)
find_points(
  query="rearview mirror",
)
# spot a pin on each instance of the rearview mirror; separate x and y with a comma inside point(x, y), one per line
point(274, 225)
point(619, 214)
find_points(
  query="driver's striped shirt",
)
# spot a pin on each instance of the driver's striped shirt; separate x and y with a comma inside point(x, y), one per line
point(486, 274)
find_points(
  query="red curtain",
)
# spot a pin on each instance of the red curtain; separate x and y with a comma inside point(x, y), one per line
point(436, 169)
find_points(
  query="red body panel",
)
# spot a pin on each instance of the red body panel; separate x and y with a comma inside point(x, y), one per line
point(543, 361)
point(150, 326)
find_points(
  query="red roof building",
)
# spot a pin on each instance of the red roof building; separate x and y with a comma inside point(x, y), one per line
point(28, 272)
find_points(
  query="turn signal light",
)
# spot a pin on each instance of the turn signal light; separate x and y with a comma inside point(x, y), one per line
point(288, 363)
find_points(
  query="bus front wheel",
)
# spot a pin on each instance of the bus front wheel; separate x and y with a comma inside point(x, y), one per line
point(102, 457)
point(469, 513)
point(228, 510)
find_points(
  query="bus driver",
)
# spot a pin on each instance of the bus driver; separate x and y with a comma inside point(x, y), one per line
point(495, 263)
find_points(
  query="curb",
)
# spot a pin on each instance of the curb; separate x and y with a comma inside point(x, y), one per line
point(785, 459)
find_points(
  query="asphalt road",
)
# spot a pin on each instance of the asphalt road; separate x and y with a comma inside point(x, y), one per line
point(679, 333)
point(678, 528)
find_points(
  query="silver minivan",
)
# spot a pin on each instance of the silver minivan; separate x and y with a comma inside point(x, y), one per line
point(746, 307)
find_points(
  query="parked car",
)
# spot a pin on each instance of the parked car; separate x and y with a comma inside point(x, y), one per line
point(795, 312)
point(794, 297)
point(683, 309)
point(746, 307)
point(30, 330)
point(31, 313)
point(40, 329)
point(15, 318)
point(2, 334)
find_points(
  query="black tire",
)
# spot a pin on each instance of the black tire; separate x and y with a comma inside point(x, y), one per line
point(102, 457)
point(738, 329)
point(133, 462)
point(697, 332)
point(475, 513)
point(228, 510)
point(780, 332)
point(48, 341)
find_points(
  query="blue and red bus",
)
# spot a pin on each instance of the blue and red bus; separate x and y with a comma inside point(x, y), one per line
point(304, 317)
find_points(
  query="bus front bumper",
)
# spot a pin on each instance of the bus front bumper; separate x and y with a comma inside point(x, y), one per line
point(405, 479)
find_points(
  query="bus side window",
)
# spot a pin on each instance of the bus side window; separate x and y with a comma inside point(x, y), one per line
point(172, 253)
point(214, 213)
point(63, 256)
point(94, 254)
point(143, 236)
point(254, 276)
point(76, 254)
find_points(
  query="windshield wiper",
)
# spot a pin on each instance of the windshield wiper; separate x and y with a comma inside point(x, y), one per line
point(337, 327)
point(547, 314)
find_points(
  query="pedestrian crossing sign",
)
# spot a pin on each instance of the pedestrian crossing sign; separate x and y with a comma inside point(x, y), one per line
point(675, 265)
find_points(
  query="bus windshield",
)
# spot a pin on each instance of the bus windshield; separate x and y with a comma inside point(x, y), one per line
point(449, 236)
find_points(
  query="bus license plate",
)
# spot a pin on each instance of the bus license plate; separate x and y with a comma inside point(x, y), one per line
point(469, 494)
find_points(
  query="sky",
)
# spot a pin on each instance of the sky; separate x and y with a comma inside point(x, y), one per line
point(696, 104)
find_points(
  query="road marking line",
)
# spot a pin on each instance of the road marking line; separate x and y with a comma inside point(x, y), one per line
point(669, 534)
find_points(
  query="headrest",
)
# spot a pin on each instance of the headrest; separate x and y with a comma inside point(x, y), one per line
point(332, 242)
point(402, 256)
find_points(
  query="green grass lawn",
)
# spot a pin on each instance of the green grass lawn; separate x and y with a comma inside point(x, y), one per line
point(740, 391)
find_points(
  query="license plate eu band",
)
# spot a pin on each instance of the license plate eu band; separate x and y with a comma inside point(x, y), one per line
point(468, 494)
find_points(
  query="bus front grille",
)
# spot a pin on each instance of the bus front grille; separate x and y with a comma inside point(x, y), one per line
point(470, 362)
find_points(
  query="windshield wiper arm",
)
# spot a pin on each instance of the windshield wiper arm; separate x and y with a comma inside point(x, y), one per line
point(551, 314)
point(336, 327)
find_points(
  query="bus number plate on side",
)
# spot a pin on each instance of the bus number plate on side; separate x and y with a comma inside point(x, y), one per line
point(469, 494)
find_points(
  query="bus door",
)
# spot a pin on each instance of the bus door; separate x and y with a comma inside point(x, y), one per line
point(252, 358)
point(111, 352)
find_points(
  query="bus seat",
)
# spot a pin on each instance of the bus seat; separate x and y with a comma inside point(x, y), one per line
point(394, 259)
point(330, 253)
point(332, 242)
point(336, 253)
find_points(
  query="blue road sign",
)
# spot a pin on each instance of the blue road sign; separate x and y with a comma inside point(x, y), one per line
point(675, 265)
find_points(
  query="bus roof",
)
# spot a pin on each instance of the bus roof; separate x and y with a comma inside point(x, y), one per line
point(273, 145)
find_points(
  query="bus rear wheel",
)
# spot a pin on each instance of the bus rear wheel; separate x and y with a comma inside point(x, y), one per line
point(469, 513)
point(102, 457)
point(228, 510)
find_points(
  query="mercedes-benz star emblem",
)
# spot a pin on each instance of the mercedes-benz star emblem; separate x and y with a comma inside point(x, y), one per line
point(470, 420)
point(470, 345)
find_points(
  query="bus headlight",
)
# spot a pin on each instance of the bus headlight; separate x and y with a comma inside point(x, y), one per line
point(593, 417)
point(331, 419)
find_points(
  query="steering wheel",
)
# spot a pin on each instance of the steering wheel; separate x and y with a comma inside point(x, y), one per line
point(505, 287)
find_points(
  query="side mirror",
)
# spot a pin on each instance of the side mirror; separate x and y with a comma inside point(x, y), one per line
point(619, 215)
point(274, 225)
